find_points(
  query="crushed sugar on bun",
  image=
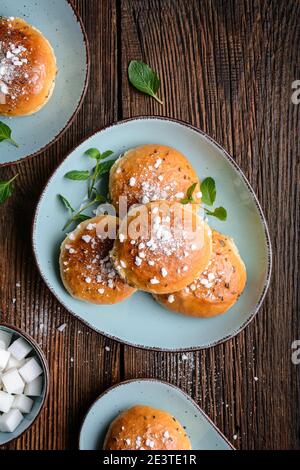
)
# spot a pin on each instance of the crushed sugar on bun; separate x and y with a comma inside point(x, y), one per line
point(27, 68)
point(86, 269)
point(151, 173)
point(145, 428)
point(162, 246)
point(217, 288)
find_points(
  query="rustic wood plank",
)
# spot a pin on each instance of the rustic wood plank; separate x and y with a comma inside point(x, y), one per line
point(80, 367)
point(228, 67)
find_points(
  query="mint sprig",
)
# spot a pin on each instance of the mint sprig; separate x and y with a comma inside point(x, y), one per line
point(78, 215)
point(209, 193)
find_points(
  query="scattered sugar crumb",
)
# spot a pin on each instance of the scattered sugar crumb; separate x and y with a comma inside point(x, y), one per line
point(61, 327)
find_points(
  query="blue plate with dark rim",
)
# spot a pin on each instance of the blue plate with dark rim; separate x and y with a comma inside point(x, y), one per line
point(202, 432)
point(59, 22)
point(139, 320)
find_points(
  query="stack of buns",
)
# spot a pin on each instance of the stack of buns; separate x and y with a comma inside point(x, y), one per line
point(159, 245)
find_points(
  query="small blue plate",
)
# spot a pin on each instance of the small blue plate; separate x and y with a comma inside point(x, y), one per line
point(139, 320)
point(39, 402)
point(61, 25)
point(203, 434)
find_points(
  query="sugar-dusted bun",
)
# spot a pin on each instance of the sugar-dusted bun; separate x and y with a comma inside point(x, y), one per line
point(27, 68)
point(146, 428)
point(162, 246)
point(85, 267)
point(149, 173)
point(217, 288)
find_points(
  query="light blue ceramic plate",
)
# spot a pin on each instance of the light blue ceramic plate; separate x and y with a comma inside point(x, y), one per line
point(140, 321)
point(61, 25)
point(29, 418)
point(202, 432)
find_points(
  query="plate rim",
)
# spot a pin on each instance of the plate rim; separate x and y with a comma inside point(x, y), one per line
point(80, 102)
point(255, 200)
point(164, 382)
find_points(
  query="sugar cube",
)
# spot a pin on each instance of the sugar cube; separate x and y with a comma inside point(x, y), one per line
point(6, 401)
point(10, 421)
point(20, 348)
point(22, 403)
point(31, 370)
point(4, 356)
point(12, 381)
point(34, 388)
point(5, 339)
point(13, 363)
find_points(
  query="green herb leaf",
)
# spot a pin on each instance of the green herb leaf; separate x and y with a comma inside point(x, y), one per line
point(65, 202)
point(81, 218)
point(6, 188)
point(142, 77)
point(208, 189)
point(78, 175)
point(185, 201)
point(106, 154)
point(93, 153)
point(190, 191)
point(220, 213)
point(105, 167)
point(99, 198)
point(5, 134)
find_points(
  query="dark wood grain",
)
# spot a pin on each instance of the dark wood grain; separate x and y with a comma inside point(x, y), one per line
point(80, 366)
point(226, 67)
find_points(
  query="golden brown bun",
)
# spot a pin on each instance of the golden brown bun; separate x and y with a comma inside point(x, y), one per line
point(85, 267)
point(217, 288)
point(145, 428)
point(149, 173)
point(158, 255)
point(27, 68)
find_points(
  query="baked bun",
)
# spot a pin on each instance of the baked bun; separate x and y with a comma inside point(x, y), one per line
point(86, 269)
point(150, 173)
point(162, 246)
point(27, 68)
point(145, 428)
point(217, 288)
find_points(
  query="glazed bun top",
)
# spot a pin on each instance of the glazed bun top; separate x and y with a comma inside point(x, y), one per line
point(217, 288)
point(146, 428)
point(27, 68)
point(85, 266)
point(162, 246)
point(149, 173)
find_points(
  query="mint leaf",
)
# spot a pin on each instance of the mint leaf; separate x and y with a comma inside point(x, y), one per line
point(80, 218)
point(190, 191)
point(144, 79)
point(5, 134)
point(105, 167)
point(6, 188)
point(78, 175)
point(106, 154)
point(208, 189)
point(93, 153)
point(65, 202)
point(185, 201)
point(220, 213)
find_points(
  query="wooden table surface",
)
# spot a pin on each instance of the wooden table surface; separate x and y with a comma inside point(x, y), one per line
point(226, 66)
